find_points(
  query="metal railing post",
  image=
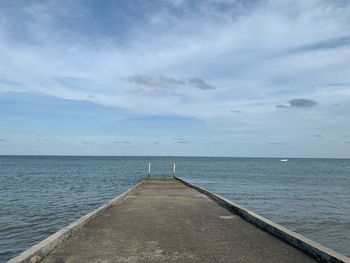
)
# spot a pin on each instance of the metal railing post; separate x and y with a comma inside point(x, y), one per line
point(174, 170)
point(149, 170)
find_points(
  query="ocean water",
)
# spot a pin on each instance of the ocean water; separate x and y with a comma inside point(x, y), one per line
point(39, 195)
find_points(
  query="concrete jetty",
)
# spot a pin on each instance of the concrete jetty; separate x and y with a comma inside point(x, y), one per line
point(165, 221)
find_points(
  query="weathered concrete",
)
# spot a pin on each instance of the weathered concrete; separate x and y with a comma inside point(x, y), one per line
point(313, 249)
point(45, 247)
point(165, 221)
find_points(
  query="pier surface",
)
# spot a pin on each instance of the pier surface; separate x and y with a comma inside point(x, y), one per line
point(166, 221)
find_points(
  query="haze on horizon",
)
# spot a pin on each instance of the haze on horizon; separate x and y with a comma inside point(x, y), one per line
point(200, 78)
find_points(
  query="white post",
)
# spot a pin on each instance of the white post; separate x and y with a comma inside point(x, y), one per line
point(149, 169)
point(174, 170)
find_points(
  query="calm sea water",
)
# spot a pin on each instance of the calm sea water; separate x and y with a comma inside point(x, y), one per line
point(40, 195)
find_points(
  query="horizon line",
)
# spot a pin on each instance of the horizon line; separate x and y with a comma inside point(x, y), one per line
point(167, 156)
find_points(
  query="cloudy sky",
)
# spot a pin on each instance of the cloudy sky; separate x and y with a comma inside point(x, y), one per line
point(208, 78)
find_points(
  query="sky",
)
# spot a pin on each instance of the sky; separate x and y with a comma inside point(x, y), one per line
point(174, 77)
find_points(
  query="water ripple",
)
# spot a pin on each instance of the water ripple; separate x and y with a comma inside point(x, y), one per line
point(40, 195)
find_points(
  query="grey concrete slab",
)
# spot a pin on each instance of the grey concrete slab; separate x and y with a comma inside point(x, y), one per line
point(165, 221)
point(308, 246)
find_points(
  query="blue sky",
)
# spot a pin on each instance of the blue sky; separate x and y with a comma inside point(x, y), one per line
point(207, 78)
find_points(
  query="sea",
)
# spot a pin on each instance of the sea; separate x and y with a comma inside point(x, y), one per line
point(41, 194)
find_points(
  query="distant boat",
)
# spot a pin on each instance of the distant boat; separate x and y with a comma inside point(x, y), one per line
point(284, 160)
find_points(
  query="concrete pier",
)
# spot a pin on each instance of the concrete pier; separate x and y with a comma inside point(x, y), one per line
point(166, 221)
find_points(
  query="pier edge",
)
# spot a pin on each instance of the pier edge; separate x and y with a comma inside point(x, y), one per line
point(298, 241)
point(40, 250)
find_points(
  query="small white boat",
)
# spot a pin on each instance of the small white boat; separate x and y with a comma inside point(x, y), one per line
point(284, 160)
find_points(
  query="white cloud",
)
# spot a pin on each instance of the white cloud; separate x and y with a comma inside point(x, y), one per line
point(247, 52)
